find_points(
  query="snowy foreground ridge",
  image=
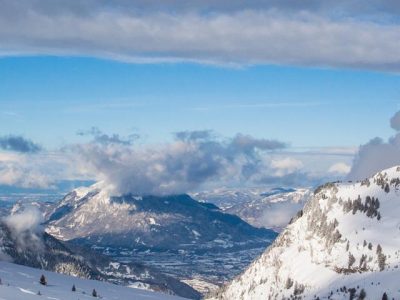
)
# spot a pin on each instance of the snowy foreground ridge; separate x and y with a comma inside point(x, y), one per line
point(344, 244)
point(22, 283)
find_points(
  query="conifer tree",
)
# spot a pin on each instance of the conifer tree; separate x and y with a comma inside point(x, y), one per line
point(42, 280)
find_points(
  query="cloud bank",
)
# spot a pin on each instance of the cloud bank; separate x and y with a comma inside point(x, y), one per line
point(21, 175)
point(192, 160)
point(377, 154)
point(38, 170)
point(333, 33)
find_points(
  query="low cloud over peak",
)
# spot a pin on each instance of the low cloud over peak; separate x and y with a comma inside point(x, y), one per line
point(194, 159)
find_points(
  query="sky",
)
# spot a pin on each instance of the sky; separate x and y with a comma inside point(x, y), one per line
point(118, 80)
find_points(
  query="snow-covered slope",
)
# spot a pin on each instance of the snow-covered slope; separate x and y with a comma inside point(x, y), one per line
point(40, 250)
point(22, 283)
point(26, 244)
point(344, 244)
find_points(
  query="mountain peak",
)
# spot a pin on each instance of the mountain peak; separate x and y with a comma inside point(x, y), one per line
point(161, 222)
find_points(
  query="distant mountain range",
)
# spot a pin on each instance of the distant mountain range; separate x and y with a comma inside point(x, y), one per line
point(344, 244)
point(261, 207)
point(225, 197)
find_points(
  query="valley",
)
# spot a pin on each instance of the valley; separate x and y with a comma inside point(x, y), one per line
point(204, 271)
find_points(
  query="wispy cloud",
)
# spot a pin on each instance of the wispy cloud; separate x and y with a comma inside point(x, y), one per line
point(106, 139)
point(110, 105)
point(9, 113)
point(324, 151)
point(263, 105)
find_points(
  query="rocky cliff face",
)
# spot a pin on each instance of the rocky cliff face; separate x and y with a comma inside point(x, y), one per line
point(344, 244)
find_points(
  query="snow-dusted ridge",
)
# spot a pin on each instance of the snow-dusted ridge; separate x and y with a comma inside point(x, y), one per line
point(22, 283)
point(269, 208)
point(344, 243)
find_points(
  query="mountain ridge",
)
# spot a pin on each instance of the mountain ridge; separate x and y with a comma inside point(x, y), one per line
point(345, 243)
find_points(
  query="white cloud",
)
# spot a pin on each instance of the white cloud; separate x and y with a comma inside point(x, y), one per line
point(21, 170)
point(26, 229)
point(9, 157)
point(194, 159)
point(247, 35)
point(340, 168)
point(377, 154)
point(279, 214)
point(286, 166)
point(27, 170)
point(199, 159)
point(27, 220)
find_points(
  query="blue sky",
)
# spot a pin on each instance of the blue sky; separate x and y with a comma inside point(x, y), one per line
point(50, 99)
point(267, 92)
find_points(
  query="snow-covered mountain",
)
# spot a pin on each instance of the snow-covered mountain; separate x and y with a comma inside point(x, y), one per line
point(226, 197)
point(344, 244)
point(22, 283)
point(29, 246)
point(92, 216)
point(260, 207)
point(192, 241)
